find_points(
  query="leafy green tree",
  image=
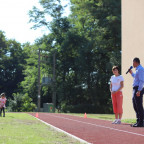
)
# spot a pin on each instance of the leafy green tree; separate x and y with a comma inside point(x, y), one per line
point(100, 25)
point(27, 104)
point(11, 65)
point(87, 44)
point(29, 84)
point(3, 44)
point(21, 103)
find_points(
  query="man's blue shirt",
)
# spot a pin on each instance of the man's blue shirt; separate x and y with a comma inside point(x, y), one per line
point(138, 77)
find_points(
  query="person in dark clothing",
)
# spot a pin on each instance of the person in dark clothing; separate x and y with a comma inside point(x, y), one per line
point(138, 91)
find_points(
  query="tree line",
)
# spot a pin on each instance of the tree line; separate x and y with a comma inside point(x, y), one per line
point(87, 44)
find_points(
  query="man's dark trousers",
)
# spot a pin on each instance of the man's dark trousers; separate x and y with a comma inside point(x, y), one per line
point(138, 105)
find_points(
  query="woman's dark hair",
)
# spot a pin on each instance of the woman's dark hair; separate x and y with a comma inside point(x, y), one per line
point(3, 94)
point(115, 67)
point(137, 60)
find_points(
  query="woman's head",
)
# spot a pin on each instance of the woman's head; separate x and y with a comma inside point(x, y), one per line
point(115, 70)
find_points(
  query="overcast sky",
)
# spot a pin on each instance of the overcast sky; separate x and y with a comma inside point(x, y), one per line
point(14, 20)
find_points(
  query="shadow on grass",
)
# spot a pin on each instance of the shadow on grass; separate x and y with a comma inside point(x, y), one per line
point(10, 116)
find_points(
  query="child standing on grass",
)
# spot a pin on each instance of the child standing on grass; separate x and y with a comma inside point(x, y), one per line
point(2, 104)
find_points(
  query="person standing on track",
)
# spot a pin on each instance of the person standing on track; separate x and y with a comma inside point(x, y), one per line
point(138, 91)
point(116, 85)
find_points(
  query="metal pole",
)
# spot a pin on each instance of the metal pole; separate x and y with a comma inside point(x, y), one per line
point(54, 86)
point(39, 86)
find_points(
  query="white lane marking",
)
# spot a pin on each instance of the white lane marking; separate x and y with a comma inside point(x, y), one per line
point(60, 130)
point(98, 125)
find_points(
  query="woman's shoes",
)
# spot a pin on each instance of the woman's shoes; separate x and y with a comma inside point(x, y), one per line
point(116, 121)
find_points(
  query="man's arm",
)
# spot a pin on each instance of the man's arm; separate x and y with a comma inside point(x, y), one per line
point(141, 79)
point(132, 74)
point(141, 83)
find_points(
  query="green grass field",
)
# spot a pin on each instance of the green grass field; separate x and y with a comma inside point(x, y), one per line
point(97, 116)
point(110, 117)
point(21, 128)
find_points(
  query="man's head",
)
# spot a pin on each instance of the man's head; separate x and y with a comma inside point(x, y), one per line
point(136, 62)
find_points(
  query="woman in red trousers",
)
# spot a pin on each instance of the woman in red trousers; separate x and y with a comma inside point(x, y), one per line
point(116, 85)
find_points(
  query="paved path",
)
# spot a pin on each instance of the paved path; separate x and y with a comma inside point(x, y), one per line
point(94, 130)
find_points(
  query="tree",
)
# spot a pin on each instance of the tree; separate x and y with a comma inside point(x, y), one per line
point(11, 65)
point(21, 103)
point(87, 43)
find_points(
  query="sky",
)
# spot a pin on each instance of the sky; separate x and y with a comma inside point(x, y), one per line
point(14, 20)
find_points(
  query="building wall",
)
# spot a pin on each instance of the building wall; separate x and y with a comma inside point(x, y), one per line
point(132, 46)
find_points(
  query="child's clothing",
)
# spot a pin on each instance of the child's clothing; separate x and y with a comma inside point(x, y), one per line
point(2, 110)
point(2, 106)
point(2, 102)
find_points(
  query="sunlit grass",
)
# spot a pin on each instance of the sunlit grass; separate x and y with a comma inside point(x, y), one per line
point(110, 117)
point(96, 116)
point(21, 128)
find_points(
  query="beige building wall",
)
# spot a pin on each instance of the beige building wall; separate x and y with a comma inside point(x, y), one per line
point(132, 46)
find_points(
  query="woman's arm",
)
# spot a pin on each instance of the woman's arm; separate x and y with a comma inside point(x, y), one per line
point(110, 87)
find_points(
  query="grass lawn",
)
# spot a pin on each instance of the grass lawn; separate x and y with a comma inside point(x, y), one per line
point(21, 128)
point(110, 117)
point(96, 116)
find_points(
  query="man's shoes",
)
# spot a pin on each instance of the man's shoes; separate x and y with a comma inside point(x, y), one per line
point(137, 125)
point(132, 125)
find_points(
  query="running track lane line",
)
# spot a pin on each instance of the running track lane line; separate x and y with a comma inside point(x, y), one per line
point(60, 130)
point(98, 125)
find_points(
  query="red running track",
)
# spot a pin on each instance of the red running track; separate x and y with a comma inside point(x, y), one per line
point(94, 131)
